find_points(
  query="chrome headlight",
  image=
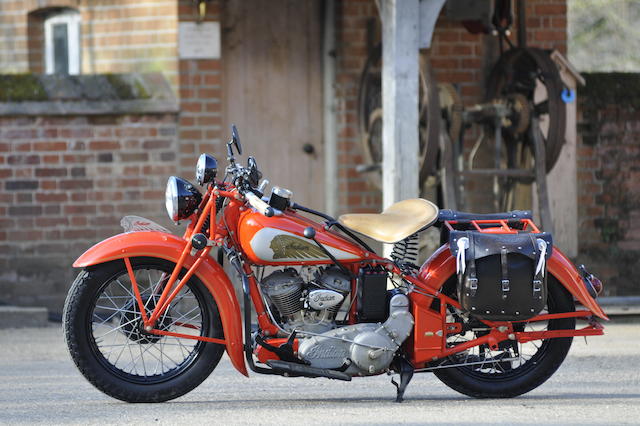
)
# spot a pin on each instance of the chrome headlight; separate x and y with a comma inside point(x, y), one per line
point(181, 198)
point(206, 169)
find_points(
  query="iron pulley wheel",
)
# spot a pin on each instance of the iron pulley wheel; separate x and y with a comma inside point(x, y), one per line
point(530, 74)
point(370, 117)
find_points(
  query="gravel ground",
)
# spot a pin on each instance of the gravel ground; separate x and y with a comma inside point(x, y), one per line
point(599, 383)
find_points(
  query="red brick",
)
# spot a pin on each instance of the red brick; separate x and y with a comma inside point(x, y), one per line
point(190, 134)
point(49, 146)
point(23, 159)
point(51, 159)
point(209, 65)
point(25, 210)
point(191, 106)
point(78, 221)
point(104, 145)
point(46, 222)
point(130, 157)
point(551, 9)
point(79, 197)
point(76, 184)
point(49, 197)
point(550, 35)
point(50, 172)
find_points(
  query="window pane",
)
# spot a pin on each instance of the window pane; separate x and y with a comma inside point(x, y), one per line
point(60, 49)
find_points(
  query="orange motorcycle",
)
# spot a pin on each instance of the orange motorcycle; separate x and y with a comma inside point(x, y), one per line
point(492, 313)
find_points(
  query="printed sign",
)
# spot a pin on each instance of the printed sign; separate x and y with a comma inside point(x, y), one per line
point(199, 40)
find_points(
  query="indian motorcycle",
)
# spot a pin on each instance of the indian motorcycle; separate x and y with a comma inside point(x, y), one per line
point(491, 313)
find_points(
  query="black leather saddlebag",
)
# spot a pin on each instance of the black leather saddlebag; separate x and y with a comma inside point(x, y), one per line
point(501, 277)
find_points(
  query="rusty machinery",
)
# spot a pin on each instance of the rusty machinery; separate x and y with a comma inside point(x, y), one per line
point(520, 126)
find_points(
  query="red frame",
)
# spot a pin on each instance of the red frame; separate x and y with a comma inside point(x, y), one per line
point(428, 341)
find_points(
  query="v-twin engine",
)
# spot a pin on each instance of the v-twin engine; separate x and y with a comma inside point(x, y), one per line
point(309, 305)
point(364, 349)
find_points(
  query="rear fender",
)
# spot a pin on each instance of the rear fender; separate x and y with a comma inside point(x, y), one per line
point(442, 265)
point(170, 247)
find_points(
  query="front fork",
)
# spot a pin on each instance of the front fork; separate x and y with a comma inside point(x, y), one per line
point(170, 291)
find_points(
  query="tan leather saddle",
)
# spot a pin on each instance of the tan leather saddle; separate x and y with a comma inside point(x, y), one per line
point(395, 223)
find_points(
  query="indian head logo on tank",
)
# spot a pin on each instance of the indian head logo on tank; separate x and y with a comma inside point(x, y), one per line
point(286, 246)
point(278, 245)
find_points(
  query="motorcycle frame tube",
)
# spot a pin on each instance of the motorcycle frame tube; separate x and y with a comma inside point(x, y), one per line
point(177, 250)
point(432, 276)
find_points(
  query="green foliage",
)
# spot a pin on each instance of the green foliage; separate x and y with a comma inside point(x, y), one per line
point(20, 88)
point(604, 34)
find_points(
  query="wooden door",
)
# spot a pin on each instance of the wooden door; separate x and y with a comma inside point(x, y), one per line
point(272, 76)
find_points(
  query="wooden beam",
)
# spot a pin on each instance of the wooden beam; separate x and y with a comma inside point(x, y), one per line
point(329, 114)
point(400, 51)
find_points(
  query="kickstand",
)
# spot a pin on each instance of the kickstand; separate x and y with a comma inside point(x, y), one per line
point(405, 369)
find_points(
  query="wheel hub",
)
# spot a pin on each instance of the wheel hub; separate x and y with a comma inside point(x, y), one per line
point(133, 326)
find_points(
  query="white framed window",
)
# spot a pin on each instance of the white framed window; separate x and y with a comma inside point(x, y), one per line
point(62, 43)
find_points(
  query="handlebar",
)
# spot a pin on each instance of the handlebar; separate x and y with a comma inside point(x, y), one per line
point(259, 205)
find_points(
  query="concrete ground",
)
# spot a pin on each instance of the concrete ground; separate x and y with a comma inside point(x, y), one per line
point(599, 383)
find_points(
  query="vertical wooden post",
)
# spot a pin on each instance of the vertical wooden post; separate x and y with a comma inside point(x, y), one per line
point(328, 90)
point(400, 70)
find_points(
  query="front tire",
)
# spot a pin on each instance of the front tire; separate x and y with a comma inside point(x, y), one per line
point(104, 337)
point(500, 379)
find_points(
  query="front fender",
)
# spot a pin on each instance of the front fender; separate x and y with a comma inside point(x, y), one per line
point(442, 265)
point(170, 247)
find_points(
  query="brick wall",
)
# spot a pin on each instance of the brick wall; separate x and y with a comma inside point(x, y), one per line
point(66, 182)
point(456, 57)
point(116, 35)
point(200, 99)
point(609, 180)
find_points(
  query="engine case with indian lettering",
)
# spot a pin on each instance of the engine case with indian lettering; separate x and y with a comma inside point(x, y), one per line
point(366, 348)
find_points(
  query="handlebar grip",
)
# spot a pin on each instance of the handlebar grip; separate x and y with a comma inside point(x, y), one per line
point(259, 205)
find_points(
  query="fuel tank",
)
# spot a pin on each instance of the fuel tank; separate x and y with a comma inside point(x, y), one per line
point(279, 240)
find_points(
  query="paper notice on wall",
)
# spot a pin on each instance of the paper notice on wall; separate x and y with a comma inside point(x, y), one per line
point(199, 40)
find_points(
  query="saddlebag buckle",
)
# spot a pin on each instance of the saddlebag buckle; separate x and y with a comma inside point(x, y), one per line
point(537, 289)
point(472, 285)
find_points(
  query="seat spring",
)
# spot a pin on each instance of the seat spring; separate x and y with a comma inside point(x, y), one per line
point(406, 251)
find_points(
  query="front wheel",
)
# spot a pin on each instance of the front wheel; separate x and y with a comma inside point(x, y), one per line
point(515, 368)
point(104, 333)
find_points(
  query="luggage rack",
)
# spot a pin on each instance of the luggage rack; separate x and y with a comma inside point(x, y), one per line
point(495, 226)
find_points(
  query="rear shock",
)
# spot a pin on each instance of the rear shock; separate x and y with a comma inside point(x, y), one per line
point(405, 252)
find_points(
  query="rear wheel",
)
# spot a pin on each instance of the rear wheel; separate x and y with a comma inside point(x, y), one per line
point(104, 333)
point(516, 368)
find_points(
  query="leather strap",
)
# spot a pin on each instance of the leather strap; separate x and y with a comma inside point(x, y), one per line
point(505, 272)
point(472, 278)
point(539, 277)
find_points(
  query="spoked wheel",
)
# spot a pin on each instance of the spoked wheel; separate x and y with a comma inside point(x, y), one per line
point(107, 341)
point(370, 117)
point(515, 368)
point(529, 75)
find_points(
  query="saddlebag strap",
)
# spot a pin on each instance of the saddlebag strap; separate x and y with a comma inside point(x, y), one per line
point(472, 278)
point(505, 272)
point(540, 247)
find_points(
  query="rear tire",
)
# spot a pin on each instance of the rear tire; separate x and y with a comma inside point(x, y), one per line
point(80, 318)
point(528, 376)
